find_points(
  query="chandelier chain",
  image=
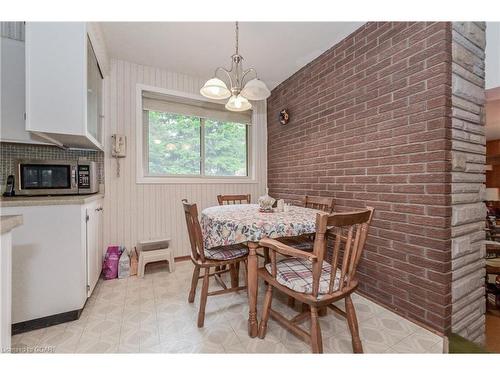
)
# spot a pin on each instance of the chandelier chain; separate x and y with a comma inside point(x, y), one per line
point(241, 89)
point(237, 32)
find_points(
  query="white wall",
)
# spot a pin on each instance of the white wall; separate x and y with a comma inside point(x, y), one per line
point(141, 211)
point(492, 63)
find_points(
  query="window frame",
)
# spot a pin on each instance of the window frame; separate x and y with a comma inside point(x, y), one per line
point(142, 133)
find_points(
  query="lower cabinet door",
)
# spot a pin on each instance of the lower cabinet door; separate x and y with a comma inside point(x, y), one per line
point(100, 238)
point(93, 257)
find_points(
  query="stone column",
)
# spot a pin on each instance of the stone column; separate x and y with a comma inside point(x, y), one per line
point(468, 160)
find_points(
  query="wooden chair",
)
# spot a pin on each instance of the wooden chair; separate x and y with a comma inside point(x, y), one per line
point(205, 259)
point(306, 242)
point(491, 228)
point(233, 199)
point(319, 203)
point(308, 278)
point(493, 272)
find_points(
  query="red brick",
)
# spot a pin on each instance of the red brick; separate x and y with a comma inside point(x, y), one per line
point(371, 126)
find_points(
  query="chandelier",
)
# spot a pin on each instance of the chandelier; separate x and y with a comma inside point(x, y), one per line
point(239, 92)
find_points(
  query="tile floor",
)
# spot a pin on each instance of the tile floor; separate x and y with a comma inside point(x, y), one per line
point(152, 315)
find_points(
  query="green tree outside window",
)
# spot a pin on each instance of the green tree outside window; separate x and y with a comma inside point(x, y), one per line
point(174, 143)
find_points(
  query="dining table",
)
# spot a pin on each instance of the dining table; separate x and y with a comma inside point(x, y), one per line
point(245, 223)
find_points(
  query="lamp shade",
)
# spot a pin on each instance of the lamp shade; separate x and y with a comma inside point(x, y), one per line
point(215, 88)
point(255, 89)
point(238, 104)
point(492, 194)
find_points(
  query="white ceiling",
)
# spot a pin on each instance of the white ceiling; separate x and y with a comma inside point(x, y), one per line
point(275, 49)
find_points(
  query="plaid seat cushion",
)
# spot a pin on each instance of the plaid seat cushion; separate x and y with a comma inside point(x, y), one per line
point(226, 252)
point(296, 274)
point(304, 243)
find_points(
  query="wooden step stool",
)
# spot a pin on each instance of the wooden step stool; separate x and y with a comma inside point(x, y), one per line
point(154, 251)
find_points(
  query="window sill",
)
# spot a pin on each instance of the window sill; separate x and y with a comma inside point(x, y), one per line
point(193, 180)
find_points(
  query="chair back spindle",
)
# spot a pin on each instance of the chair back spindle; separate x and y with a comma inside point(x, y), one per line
point(194, 230)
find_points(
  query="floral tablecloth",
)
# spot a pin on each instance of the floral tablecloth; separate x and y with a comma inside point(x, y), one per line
point(232, 224)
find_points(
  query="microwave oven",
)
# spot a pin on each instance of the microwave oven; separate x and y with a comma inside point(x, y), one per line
point(56, 177)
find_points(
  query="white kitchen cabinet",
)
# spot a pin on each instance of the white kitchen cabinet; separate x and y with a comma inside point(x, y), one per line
point(94, 246)
point(57, 256)
point(13, 99)
point(63, 85)
point(94, 95)
point(7, 224)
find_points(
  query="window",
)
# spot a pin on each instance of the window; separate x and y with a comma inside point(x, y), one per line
point(186, 138)
point(225, 148)
point(174, 144)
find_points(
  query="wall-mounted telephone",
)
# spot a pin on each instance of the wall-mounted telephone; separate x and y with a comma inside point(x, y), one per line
point(119, 146)
point(118, 149)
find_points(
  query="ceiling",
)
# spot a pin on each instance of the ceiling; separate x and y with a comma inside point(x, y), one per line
point(275, 49)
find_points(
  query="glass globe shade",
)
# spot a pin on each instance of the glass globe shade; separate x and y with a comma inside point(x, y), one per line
point(238, 104)
point(255, 89)
point(215, 88)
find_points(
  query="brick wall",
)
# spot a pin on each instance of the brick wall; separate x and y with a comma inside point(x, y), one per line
point(371, 125)
point(468, 159)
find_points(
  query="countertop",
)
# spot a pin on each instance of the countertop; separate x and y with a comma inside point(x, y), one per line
point(9, 222)
point(54, 200)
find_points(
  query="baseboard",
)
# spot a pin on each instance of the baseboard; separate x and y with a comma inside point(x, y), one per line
point(46, 321)
point(182, 258)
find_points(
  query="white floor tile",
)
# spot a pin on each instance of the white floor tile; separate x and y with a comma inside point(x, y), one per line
point(152, 315)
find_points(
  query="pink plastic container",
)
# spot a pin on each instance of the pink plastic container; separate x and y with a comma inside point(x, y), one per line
point(110, 264)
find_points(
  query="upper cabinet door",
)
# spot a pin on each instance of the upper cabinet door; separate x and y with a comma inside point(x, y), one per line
point(56, 84)
point(56, 72)
point(94, 95)
point(13, 100)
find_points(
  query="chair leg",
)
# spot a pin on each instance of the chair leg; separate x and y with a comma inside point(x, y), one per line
point(316, 340)
point(194, 284)
point(237, 267)
point(140, 266)
point(291, 302)
point(203, 298)
point(171, 262)
point(245, 271)
point(353, 325)
point(267, 259)
point(266, 309)
point(234, 275)
point(304, 307)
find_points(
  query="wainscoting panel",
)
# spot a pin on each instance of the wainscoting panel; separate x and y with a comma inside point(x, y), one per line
point(142, 211)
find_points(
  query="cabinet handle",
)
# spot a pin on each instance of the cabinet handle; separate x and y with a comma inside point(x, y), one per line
point(99, 209)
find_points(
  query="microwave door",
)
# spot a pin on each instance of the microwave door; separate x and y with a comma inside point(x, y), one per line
point(46, 178)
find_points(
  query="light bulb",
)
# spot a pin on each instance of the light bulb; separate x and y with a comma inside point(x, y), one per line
point(238, 104)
